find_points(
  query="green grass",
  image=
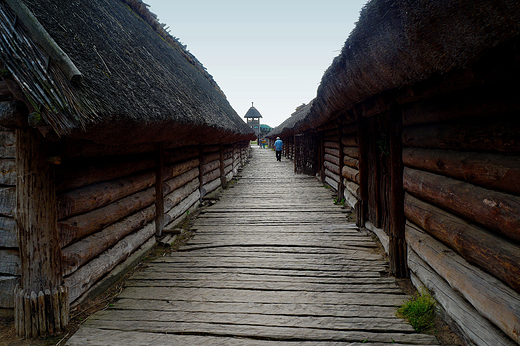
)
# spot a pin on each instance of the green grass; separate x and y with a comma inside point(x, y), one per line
point(420, 311)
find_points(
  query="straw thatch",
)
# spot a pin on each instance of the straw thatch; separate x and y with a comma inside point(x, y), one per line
point(397, 43)
point(138, 83)
point(252, 113)
point(291, 125)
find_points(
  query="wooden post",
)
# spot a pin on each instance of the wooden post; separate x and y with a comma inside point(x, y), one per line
point(201, 172)
point(296, 156)
point(223, 181)
point(363, 170)
point(322, 158)
point(397, 241)
point(41, 302)
point(159, 189)
point(341, 184)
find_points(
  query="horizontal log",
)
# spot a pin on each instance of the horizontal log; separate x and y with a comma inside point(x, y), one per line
point(75, 173)
point(86, 276)
point(496, 171)
point(350, 199)
point(7, 201)
point(331, 133)
point(180, 154)
point(10, 262)
point(209, 177)
point(490, 252)
point(332, 175)
point(332, 145)
point(489, 296)
point(349, 141)
point(91, 197)
point(352, 187)
point(180, 209)
point(176, 197)
point(488, 135)
point(331, 167)
point(351, 174)
point(331, 158)
point(8, 232)
point(211, 186)
point(7, 144)
point(473, 326)
point(228, 162)
point(180, 181)
point(494, 210)
point(98, 195)
point(351, 162)
point(210, 166)
point(82, 251)
point(211, 157)
point(228, 169)
point(7, 285)
point(351, 152)
point(331, 182)
point(381, 235)
point(469, 104)
point(80, 226)
point(7, 172)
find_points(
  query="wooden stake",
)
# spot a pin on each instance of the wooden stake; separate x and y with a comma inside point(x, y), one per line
point(40, 251)
point(159, 189)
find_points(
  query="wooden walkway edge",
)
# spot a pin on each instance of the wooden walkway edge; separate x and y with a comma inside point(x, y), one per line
point(274, 262)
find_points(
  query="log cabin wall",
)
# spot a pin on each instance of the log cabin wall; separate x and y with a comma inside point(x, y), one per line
point(10, 266)
point(106, 211)
point(462, 202)
point(331, 158)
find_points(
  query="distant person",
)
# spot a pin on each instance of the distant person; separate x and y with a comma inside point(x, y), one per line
point(263, 143)
point(278, 146)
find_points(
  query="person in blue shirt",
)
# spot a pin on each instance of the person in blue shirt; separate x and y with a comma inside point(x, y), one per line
point(278, 146)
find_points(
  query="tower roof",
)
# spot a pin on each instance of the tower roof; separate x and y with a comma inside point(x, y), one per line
point(253, 112)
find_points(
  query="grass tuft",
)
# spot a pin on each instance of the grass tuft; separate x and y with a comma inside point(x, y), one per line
point(420, 311)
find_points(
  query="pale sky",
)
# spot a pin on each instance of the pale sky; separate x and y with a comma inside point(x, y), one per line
point(272, 53)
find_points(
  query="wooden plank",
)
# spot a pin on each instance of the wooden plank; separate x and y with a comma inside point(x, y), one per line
point(7, 172)
point(89, 335)
point(474, 326)
point(495, 210)
point(7, 286)
point(7, 201)
point(490, 297)
point(490, 252)
point(8, 236)
point(86, 276)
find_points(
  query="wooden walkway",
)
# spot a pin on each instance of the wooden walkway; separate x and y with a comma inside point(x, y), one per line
point(275, 262)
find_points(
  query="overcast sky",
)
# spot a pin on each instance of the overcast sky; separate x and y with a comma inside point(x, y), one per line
point(272, 53)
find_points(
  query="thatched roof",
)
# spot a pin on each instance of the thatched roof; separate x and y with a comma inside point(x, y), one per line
point(252, 113)
point(397, 43)
point(291, 124)
point(138, 83)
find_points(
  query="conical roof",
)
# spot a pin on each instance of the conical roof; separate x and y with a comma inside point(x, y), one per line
point(253, 112)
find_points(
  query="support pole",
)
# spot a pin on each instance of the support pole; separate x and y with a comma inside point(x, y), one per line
point(41, 300)
point(397, 241)
point(361, 211)
point(223, 181)
point(159, 189)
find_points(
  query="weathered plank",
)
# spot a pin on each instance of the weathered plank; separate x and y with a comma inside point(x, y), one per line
point(273, 261)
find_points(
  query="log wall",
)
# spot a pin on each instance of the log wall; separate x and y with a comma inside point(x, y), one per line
point(106, 206)
point(10, 266)
point(462, 195)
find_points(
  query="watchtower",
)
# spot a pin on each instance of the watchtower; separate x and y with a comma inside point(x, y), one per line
point(253, 119)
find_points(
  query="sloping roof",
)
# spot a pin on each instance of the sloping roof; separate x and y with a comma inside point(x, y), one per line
point(291, 124)
point(138, 85)
point(253, 113)
point(397, 43)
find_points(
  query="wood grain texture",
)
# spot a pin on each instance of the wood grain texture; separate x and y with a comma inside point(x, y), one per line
point(273, 262)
